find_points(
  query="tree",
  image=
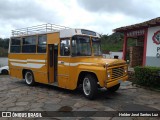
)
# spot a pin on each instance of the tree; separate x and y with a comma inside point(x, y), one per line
point(4, 44)
point(112, 42)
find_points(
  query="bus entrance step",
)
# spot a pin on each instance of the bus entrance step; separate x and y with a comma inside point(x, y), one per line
point(54, 84)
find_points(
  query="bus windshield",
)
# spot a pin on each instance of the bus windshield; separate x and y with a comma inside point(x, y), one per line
point(96, 44)
point(81, 46)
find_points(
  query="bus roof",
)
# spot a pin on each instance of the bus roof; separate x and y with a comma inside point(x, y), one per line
point(51, 28)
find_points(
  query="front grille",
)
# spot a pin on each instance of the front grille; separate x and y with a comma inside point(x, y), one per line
point(117, 72)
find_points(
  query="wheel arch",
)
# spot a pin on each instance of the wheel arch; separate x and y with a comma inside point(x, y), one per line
point(24, 71)
point(82, 75)
point(30, 82)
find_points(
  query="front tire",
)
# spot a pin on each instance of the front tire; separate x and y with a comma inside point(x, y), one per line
point(29, 78)
point(114, 88)
point(90, 87)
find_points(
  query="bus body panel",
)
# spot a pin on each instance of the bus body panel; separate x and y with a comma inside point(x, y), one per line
point(63, 71)
point(93, 65)
point(37, 63)
point(77, 65)
point(53, 38)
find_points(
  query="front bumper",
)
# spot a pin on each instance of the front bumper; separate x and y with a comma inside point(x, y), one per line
point(115, 82)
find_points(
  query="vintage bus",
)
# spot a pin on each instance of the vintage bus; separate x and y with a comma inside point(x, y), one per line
point(63, 57)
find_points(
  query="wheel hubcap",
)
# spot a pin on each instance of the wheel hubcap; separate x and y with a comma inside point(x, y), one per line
point(28, 78)
point(86, 86)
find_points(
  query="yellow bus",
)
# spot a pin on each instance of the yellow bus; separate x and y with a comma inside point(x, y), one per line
point(63, 57)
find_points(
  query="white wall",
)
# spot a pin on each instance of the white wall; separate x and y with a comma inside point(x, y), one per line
point(152, 54)
point(106, 56)
point(152, 47)
point(119, 54)
point(112, 54)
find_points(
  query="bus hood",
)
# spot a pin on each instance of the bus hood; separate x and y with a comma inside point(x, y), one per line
point(110, 62)
point(103, 61)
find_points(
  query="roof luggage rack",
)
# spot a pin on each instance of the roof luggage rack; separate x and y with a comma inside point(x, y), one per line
point(44, 28)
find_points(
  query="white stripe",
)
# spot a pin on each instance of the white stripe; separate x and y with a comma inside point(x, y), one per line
point(63, 63)
point(59, 62)
point(80, 63)
point(28, 60)
point(29, 65)
point(63, 75)
point(66, 64)
point(16, 60)
point(75, 64)
point(33, 60)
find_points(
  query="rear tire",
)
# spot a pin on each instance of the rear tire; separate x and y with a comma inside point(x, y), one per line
point(90, 86)
point(114, 88)
point(29, 78)
point(4, 72)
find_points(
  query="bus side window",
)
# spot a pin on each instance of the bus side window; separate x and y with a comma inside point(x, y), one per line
point(42, 40)
point(29, 44)
point(15, 45)
point(65, 47)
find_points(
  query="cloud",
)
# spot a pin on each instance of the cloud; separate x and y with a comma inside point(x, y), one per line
point(20, 9)
point(134, 8)
point(23, 13)
point(98, 15)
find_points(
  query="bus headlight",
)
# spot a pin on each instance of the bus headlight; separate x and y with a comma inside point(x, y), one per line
point(108, 75)
point(125, 69)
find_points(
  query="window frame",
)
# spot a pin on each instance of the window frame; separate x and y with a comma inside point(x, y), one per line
point(41, 44)
point(24, 45)
point(99, 45)
point(89, 44)
point(15, 45)
point(67, 38)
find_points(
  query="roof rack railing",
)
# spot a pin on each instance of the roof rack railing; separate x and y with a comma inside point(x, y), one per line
point(44, 28)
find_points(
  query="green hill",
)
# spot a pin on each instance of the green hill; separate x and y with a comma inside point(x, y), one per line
point(4, 47)
point(3, 52)
point(114, 42)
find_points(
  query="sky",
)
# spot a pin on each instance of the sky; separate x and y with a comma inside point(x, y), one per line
point(101, 16)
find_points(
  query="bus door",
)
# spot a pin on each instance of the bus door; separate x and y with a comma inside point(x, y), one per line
point(64, 63)
point(53, 62)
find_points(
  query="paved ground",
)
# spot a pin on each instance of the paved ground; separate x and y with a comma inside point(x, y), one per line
point(15, 95)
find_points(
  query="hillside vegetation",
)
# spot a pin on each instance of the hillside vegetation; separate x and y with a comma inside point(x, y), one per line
point(4, 47)
point(112, 42)
point(3, 52)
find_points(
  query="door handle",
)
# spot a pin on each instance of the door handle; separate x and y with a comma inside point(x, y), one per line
point(62, 62)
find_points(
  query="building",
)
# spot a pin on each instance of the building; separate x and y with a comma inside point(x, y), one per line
point(147, 36)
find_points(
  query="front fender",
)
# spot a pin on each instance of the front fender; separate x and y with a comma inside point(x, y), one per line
point(99, 71)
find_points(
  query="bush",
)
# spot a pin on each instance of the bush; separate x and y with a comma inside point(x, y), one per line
point(147, 76)
point(131, 76)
